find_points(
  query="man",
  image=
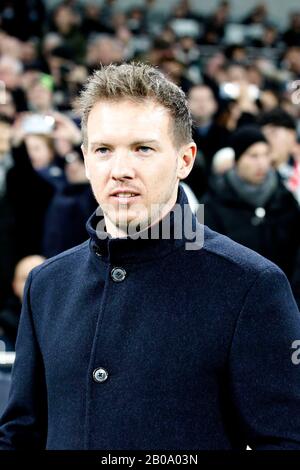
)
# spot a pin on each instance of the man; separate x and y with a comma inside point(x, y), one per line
point(279, 127)
point(136, 342)
point(10, 314)
point(250, 204)
point(24, 198)
point(209, 136)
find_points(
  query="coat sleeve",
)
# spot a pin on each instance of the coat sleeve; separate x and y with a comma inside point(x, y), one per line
point(265, 365)
point(23, 424)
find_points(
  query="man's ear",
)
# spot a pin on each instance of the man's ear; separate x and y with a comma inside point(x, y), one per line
point(186, 160)
point(84, 153)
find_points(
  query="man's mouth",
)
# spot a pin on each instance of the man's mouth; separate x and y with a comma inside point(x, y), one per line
point(125, 198)
point(125, 194)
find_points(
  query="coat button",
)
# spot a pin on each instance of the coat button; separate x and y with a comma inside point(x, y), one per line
point(100, 375)
point(118, 274)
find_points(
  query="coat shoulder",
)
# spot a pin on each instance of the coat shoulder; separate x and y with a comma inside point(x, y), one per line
point(70, 257)
point(231, 253)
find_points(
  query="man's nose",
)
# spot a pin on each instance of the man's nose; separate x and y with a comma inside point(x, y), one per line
point(122, 165)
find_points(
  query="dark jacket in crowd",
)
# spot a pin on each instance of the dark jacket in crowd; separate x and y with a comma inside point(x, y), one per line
point(144, 344)
point(273, 232)
point(66, 218)
point(209, 141)
point(22, 211)
point(23, 19)
point(29, 195)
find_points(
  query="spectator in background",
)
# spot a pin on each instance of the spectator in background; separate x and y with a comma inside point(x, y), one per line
point(268, 100)
point(259, 15)
point(66, 22)
point(108, 11)
point(39, 94)
point(93, 20)
point(176, 72)
point(46, 138)
point(215, 25)
point(208, 135)
point(270, 37)
point(24, 198)
point(292, 35)
point(69, 209)
point(136, 21)
point(41, 151)
point(291, 61)
point(10, 74)
point(183, 10)
point(162, 48)
point(250, 204)
point(103, 50)
point(23, 19)
point(7, 105)
point(187, 51)
point(10, 312)
point(279, 128)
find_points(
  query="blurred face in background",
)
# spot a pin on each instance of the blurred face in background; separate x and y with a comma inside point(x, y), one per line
point(237, 74)
point(173, 69)
point(281, 140)
point(40, 150)
point(10, 73)
point(64, 19)
point(255, 163)
point(39, 97)
point(104, 50)
point(22, 270)
point(202, 104)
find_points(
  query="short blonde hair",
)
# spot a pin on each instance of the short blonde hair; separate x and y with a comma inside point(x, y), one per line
point(137, 82)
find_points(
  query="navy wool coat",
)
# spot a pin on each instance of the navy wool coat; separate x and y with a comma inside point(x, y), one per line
point(178, 349)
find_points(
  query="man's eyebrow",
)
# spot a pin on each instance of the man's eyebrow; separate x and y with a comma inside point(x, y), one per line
point(146, 141)
point(99, 144)
point(138, 142)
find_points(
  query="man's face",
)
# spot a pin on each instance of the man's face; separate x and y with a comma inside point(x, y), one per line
point(254, 164)
point(281, 140)
point(130, 150)
point(202, 103)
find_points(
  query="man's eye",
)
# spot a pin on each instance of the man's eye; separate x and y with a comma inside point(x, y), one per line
point(144, 149)
point(102, 150)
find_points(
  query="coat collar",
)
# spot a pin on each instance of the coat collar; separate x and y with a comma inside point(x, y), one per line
point(115, 250)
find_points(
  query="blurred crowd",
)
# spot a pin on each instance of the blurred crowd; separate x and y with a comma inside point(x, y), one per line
point(242, 81)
